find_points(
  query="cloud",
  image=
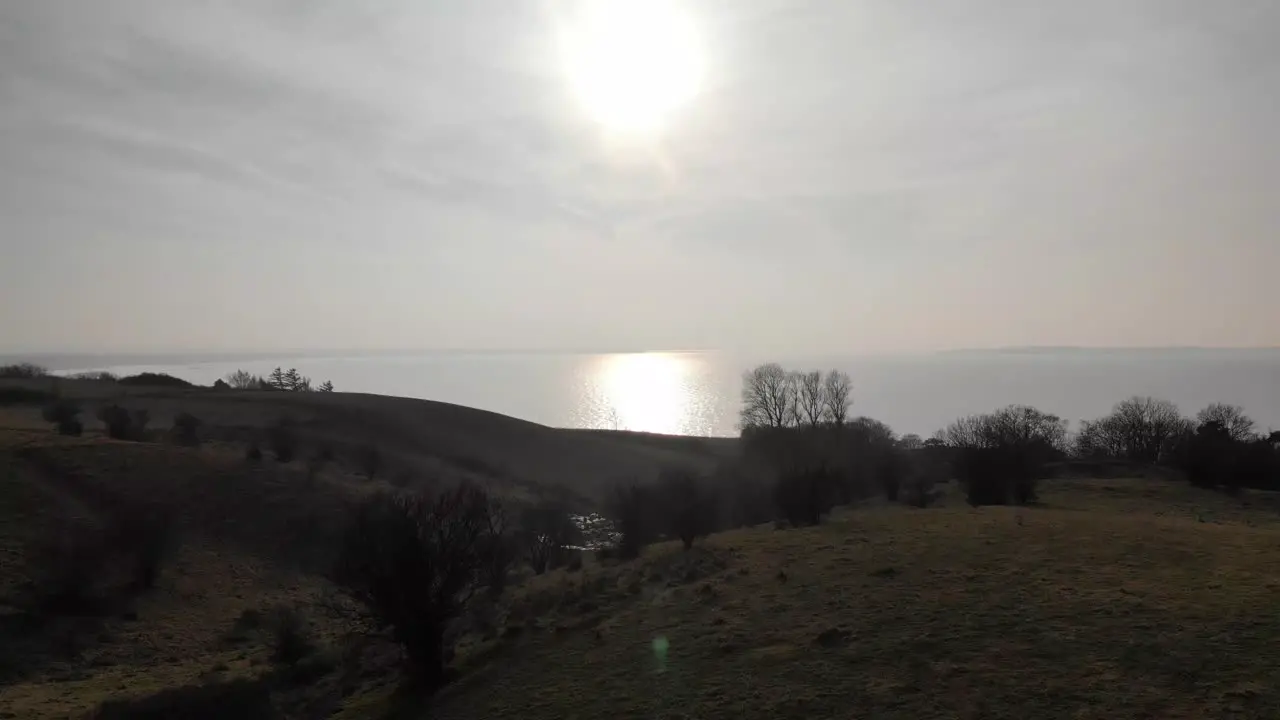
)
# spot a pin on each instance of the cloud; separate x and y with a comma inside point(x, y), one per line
point(845, 156)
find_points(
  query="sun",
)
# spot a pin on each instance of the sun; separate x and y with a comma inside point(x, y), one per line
point(631, 63)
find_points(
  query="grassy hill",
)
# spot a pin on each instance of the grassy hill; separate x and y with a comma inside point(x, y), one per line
point(1123, 598)
point(1112, 598)
point(416, 437)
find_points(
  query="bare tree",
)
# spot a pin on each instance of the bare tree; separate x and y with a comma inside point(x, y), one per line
point(793, 416)
point(812, 398)
point(836, 396)
point(243, 380)
point(1144, 427)
point(497, 549)
point(766, 397)
point(1002, 454)
point(1232, 419)
point(414, 562)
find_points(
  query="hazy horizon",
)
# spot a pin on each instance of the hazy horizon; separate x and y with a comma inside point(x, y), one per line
point(698, 392)
point(757, 176)
point(72, 360)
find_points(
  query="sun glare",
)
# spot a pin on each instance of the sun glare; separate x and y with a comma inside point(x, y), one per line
point(632, 62)
point(647, 392)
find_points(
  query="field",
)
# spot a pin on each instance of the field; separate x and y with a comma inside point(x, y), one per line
point(1111, 598)
point(1123, 598)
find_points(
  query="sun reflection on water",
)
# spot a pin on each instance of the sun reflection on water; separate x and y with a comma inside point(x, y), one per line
point(650, 392)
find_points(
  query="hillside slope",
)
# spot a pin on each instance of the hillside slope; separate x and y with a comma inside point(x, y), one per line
point(1116, 599)
point(416, 437)
point(242, 539)
point(1112, 598)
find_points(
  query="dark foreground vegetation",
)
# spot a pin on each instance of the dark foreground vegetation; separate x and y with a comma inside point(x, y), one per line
point(830, 567)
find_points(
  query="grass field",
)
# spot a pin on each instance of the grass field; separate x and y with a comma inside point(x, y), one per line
point(1114, 598)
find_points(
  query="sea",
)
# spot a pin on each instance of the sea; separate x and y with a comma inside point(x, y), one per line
point(697, 393)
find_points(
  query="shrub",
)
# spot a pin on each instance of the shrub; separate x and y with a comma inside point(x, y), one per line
point(68, 571)
point(920, 492)
point(283, 440)
point(95, 375)
point(79, 568)
point(124, 425)
point(290, 638)
point(998, 457)
point(143, 536)
point(498, 550)
point(318, 460)
point(150, 379)
point(23, 371)
point(370, 460)
point(414, 563)
point(632, 510)
point(804, 496)
point(545, 530)
point(64, 414)
point(687, 505)
point(186, 429)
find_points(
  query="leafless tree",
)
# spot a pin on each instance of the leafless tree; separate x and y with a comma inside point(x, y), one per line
point(1002, 454)
point(498, 549)
point(794, 417)
point(243, 380)
point(811, 398)
point(414, 562)
point(766, 400)
point(1232, 419)
point(836, 396)
point(1144, 427)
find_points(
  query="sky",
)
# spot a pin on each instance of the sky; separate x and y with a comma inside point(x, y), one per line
point(854, 176)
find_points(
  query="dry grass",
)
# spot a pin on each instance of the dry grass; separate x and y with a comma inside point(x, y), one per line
point(420, 437)
point(1113, 600)
point(242, 548)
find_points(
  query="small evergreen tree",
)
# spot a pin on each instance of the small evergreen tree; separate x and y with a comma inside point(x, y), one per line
point(278, 380)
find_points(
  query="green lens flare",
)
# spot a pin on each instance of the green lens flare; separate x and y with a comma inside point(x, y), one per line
point(660, 646)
